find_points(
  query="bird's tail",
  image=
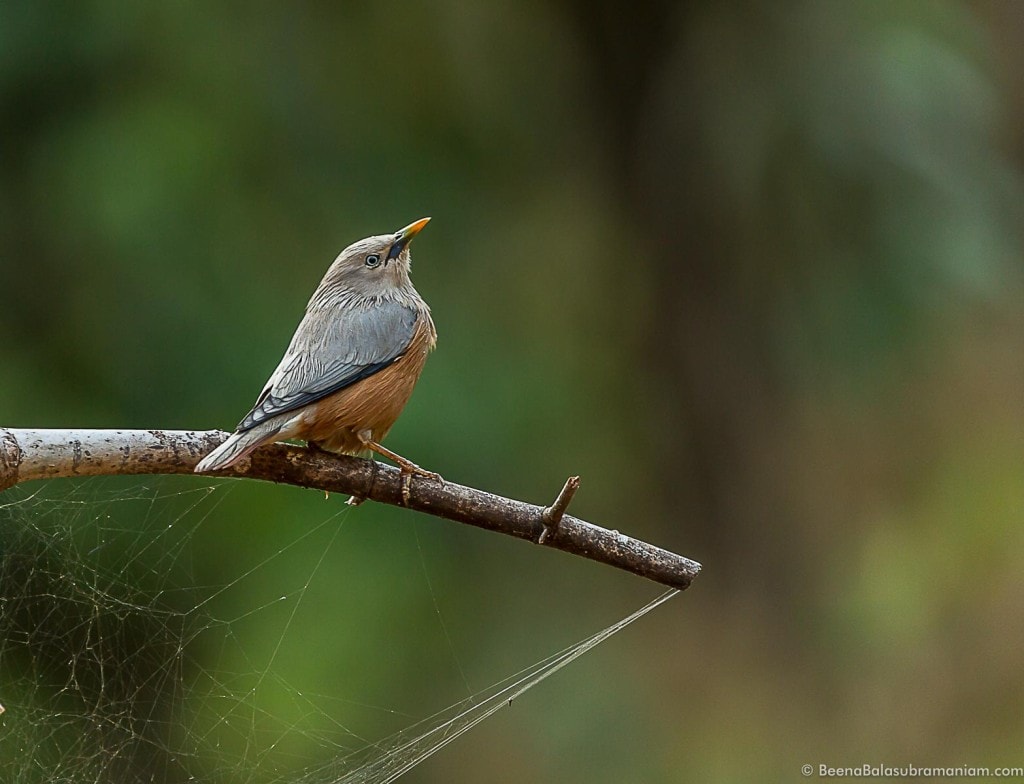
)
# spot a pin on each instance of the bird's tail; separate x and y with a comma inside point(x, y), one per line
point(238, 446)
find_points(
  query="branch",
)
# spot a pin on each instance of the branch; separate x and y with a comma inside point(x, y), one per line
point(44, 454)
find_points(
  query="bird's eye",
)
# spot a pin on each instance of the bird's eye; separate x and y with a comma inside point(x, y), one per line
point(372, 260)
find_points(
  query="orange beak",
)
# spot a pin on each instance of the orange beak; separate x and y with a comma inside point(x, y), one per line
point(411, 230)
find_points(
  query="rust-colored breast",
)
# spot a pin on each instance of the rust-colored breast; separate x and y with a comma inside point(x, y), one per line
point(371, 404)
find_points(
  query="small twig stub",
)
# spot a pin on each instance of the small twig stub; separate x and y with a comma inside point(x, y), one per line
point(552, 515)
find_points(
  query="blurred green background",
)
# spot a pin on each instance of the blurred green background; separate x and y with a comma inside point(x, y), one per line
point(753, 270)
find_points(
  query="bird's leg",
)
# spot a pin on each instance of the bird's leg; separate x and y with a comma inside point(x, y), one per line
point(407, 467)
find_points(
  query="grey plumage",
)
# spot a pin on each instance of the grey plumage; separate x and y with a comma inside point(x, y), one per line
point(241, 444)
point(328, 354)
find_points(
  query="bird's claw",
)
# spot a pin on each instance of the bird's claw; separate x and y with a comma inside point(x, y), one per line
point(408, 470)
point(431, 475)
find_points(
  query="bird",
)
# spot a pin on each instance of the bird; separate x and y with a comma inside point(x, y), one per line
point(352, 363)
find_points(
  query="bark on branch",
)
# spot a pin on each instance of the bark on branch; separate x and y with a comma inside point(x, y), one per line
point(42, 454)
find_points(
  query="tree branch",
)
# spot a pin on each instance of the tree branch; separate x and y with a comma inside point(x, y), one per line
point(43, 454)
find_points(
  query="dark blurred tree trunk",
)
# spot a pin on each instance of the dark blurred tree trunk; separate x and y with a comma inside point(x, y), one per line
point(705, 347)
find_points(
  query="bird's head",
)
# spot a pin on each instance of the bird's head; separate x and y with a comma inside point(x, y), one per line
point(376, 266)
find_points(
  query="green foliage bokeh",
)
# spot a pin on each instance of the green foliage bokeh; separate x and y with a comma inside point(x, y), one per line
point(752, 271)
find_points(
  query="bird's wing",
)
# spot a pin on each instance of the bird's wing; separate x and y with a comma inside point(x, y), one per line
point(329, 353)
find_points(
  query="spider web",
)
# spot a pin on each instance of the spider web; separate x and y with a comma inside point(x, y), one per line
point(118, 663)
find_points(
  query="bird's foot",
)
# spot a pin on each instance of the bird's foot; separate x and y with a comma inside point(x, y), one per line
point(406, 466)
point(406, 488)
point(409, 469)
